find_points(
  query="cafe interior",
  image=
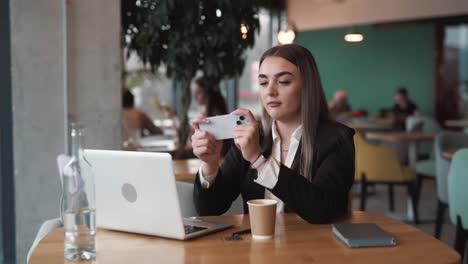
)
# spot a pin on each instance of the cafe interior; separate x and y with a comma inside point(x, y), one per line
point(136, 73)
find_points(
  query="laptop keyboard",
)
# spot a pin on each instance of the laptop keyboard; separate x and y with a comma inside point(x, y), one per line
point(190, 229)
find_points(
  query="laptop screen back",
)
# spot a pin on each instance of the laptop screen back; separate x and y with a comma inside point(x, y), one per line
point(136, 192)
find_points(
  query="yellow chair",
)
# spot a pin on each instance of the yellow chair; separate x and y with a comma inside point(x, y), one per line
point(380, 165)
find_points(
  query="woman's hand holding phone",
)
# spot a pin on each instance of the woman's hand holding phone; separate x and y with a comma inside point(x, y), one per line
point(246, 136)
point(206, 147)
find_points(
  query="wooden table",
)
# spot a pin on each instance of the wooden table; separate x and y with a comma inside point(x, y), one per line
point(460, 123)
point(295, 241)
point(186, 169)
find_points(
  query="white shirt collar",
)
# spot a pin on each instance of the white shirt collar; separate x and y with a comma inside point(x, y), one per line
point(296, 135)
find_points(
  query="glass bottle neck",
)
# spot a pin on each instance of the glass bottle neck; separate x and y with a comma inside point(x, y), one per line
point(76, 140)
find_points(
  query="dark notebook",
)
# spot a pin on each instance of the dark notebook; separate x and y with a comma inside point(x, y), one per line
point(362, 235)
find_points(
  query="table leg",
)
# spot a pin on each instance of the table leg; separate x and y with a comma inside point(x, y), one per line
point(413, 157)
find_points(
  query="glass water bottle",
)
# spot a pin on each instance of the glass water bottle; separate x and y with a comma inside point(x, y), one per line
point(78, 201)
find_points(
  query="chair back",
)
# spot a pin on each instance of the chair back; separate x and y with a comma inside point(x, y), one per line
point(457, 185)
point(187, 206)
point(430, 124)
point(185, 192)
point(379, 164)
point(446, 140)
point(46, 227)
point(423, 124)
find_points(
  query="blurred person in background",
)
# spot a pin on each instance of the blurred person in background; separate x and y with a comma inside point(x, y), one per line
point(212, 103)
point(403, 107)
point(136, 123)
point(208, 96)
point(339, 106)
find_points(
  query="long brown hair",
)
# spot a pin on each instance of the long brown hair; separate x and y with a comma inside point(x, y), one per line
point(215, 105)
point(313, 104)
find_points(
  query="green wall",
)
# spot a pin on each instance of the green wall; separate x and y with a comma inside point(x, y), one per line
point(371, 70)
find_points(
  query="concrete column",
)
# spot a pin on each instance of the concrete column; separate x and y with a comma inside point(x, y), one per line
point(94, 73)
point(42, 105)
point(39, 112)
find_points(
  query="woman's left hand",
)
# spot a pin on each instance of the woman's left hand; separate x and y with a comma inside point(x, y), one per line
point(246, 136)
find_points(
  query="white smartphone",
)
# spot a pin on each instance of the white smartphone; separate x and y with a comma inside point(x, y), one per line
point(222, 127)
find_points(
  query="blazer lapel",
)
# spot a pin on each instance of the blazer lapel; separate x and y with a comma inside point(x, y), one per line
point(297, 157)
point(267, 144)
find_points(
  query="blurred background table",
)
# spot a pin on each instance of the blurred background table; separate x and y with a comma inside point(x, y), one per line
point(371, 124)
point(186, 169)
point(163, 143)
point(460, 123)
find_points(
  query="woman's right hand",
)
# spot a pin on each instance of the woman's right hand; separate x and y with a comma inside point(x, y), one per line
point(205, 146)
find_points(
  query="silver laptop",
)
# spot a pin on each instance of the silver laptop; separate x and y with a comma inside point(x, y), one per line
point(136, 192)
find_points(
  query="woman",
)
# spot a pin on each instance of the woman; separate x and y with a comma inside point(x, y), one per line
point(300, 158)
point(207, 95)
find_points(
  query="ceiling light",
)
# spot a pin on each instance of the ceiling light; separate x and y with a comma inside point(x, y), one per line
point(353, 36)
point(243, 29)
point(286, 36)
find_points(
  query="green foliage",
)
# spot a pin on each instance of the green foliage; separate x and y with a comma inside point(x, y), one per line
point(137, 78)
point(191, 35)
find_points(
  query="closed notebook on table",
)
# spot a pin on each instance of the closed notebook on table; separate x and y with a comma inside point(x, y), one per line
point(362, 235)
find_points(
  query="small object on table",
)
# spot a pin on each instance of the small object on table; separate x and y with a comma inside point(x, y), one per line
point(362, 235)
point(236, 236)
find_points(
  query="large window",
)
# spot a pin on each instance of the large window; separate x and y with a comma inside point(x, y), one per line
point(248, 91)
point(456, 64)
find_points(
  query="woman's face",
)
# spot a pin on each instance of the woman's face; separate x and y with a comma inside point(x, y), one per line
point(280, 89)
point(401, 99)
point(198, 94)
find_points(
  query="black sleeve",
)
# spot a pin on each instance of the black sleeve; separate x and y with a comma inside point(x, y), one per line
point(414, 107)
point(395, 109)
point(326, 197)
point(217, 199)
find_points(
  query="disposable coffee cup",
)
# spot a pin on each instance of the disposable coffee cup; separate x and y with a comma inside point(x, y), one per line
point(262, 218)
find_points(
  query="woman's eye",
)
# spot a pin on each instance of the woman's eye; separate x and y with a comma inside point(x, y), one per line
point(284, 82)
point(263, 83)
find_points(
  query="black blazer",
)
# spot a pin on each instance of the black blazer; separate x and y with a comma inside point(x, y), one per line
point(320, 200)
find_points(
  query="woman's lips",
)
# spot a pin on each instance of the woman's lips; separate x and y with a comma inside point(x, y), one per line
point(274, 104)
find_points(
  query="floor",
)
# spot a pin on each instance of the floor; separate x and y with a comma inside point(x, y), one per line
point(378, 202)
